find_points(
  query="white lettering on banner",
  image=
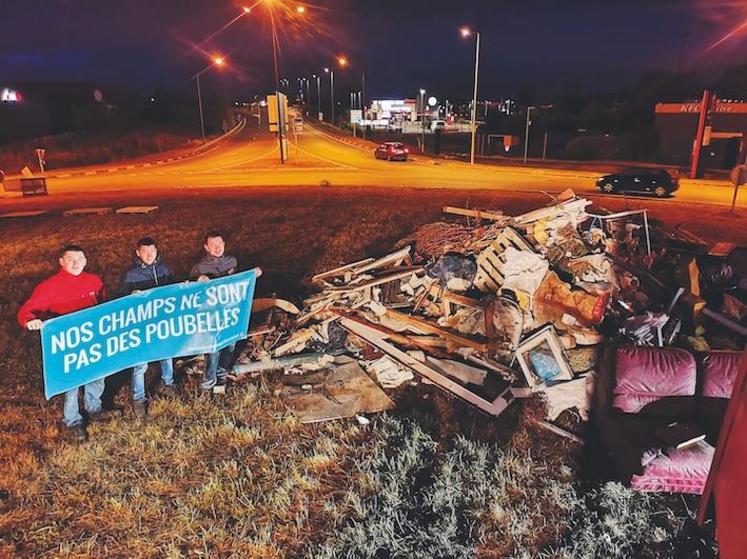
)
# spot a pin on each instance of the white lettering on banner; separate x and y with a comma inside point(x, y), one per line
point(81, 358)
point(191, 301)
point(72, 337)
point(108, 324)
point(199, 323)
point(123, 342)
point(226, 294)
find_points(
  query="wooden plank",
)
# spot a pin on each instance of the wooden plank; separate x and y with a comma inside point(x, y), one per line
point(340, 270)
point(553, 211)
point(419, 342)
point(30, 213)
point(479, 214)
point(378, 281)
point(722, 249)
point(384, 260)
point(462, 300)
point(486, 284)
point(87, 211)
point(137, 209)
point(263, 304)
point(427, 326)
point(378, 340)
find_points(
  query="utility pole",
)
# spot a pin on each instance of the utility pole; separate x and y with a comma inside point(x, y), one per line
point(277, 90)
point(422, 120)
point(199, 104)
point(526, 132)
point(474, 100)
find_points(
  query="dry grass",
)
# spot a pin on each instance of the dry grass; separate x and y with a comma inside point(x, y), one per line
point(71, 150)
point(238, 476)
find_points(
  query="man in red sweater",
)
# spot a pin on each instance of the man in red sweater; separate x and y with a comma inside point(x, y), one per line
point(69, 290)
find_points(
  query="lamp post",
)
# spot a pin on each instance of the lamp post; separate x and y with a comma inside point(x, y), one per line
point(216, 61)
point(318, 95)
point(332, 92)
point(422, 120)
point(526, 131)
point(466, 32)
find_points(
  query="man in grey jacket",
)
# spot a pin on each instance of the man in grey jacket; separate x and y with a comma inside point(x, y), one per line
point(148, 270)
point(215, 264)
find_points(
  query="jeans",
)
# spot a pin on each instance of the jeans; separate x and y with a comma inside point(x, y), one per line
point(138, 377)
point(216, 367)
point(91, 400)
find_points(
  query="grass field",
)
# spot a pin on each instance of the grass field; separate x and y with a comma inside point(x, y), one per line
point(71, 150)
point(238, 476)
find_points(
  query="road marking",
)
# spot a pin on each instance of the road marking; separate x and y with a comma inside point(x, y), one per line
point(342, 165)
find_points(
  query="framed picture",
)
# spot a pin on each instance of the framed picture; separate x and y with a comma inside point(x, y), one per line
point(541, 358)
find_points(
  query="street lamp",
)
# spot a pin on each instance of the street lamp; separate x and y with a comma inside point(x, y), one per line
point(318, 95)
point(422, 120)
point(526, 131)
point(216, 61)
point(467, 32)
point(332, 91)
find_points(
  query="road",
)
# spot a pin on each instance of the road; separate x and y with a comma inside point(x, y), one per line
point(251, 158)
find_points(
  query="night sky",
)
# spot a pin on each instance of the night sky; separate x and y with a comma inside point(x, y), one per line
point(401, 45)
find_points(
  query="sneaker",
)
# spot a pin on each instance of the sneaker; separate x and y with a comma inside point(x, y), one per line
point(168, 391)
point(105, 415)
point(140, 409)
point(74, 432)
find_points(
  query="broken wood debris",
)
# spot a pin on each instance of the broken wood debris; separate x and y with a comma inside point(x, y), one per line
point(503, 306)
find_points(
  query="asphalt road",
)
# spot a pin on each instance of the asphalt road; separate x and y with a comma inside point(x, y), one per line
point(251, 158)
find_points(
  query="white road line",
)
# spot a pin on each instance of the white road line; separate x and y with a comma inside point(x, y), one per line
point(342, 165)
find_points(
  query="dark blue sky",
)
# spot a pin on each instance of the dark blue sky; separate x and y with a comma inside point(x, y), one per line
point(402, 45)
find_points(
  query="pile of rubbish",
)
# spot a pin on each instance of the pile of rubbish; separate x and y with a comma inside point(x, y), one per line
point(490, 308)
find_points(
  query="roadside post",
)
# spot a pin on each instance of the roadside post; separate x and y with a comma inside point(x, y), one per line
point(40, 152)
point(297, 129)
point(738, 177)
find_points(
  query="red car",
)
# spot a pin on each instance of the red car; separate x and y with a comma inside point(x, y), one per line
point(392, 151)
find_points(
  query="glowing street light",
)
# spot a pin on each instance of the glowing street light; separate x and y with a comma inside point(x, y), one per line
point(467, 32)
point(246, 9)
point(301, 9)
point(218, 61)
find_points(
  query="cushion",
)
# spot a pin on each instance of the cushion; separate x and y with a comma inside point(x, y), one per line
point(681, 471)
point(719, 373)
point(646, 374)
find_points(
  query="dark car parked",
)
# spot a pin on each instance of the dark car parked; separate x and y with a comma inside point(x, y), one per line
point(392, 151)
point(640, 181)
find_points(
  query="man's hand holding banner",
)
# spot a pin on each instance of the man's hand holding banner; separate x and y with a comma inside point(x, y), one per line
point(170, 321)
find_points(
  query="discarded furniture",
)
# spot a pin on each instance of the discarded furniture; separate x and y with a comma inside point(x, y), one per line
point(490, 262)
point(644, 390)
point(27, 186)
point(492, 401)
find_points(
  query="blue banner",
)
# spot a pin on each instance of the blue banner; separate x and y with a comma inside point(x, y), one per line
point(171, 321)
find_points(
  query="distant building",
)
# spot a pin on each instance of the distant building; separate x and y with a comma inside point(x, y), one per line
point(393, 111)
point(724, 142)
